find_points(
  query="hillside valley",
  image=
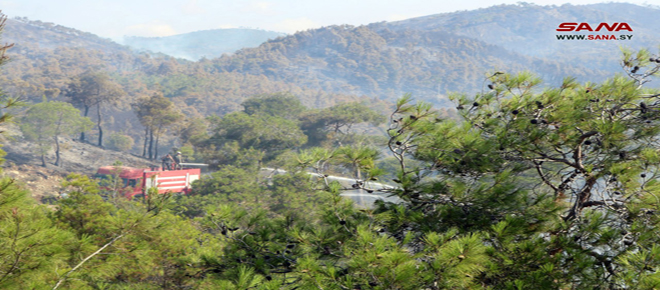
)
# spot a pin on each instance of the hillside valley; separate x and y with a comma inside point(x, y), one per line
point(464, 150)
point(428, 57)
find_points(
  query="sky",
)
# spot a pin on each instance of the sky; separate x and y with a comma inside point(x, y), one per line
point(115, 19)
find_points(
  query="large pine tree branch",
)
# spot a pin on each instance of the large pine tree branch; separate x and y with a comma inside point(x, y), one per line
point(577, 155)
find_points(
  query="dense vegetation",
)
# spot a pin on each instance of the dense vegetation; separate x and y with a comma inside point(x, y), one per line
point(428, 57)
point(549, 188)
point(532, 187)
point(42, 65)
point(375, 60)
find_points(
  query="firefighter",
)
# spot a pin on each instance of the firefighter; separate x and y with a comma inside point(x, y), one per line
point(178, 159)
point(167, 162)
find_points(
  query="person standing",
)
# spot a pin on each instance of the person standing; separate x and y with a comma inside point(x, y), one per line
point(178, 158)
point(167, 162)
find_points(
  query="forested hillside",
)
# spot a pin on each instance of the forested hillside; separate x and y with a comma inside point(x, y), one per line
point(428, 57)
point(44, 60)
point(377, 61)
point(46, 63)
point(433, 55)
point(533, 185)
point(545, 188)
point(47, 35)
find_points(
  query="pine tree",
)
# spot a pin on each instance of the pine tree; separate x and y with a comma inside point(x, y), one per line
point(559, 183)
point(30, 247)
point(44, 123)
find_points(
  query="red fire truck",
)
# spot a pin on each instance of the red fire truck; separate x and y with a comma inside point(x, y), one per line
point(140, 180)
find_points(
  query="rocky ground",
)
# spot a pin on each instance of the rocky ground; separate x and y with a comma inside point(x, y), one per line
point(24, 164)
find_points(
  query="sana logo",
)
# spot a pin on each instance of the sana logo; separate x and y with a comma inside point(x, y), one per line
point(574, 26)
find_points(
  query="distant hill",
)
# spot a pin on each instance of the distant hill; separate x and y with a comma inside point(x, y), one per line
point(529, 29)
point(46, 57)
point(427, 56)
point(46, 35)
point(208, 43)
point(433, 55)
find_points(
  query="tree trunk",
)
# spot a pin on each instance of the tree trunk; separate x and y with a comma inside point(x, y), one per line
point(57, 151)
point(151, 144)
point(156, 147)
point(82, 134)
point(43, 160)
point(98, 115)
point(146, 141)
point(582, 198)
point(157, 139)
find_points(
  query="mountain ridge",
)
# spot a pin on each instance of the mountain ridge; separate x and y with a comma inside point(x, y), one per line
point(427, 56)
point(535, 35)
point(48, 35)
point(375, 63)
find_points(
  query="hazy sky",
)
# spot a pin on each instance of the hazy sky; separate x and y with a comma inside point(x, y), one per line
point(117, 18)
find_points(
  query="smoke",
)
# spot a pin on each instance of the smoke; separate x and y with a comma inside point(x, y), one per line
point(196, 45)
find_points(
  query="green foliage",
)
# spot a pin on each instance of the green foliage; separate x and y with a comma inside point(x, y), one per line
point(275, 124)
point(337, 121)
point(358, 159)
point(31, 248)
point(6, 102)
point(120, 142)
point(156, 114)
point(548, 176)
point(284, 105)
point(230, 180)
point(269, 134)
point(550, 188)
point(149, 245)
point(231, 154)
point(45, 122)
point(194, 131)
point(253, 189)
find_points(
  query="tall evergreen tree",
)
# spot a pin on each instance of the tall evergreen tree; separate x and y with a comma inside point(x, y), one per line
point(559, 182)
point(156, 114)
point(46, 122)
point(93, 89)
point(30, 247)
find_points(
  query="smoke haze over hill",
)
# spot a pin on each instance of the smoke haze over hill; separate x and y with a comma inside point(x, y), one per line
point(199, 44)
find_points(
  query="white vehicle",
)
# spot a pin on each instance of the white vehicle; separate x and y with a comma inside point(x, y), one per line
point(363, 193)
